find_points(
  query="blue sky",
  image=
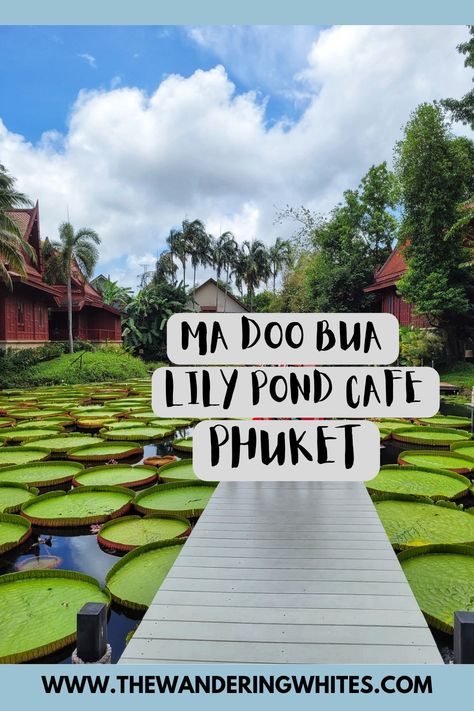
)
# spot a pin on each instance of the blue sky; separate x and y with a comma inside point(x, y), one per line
point(129, 130)
point(48, 66)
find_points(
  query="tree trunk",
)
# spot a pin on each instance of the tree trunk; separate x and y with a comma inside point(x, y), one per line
point(217, 289)
point(69, 313)
point(225, 290)
point(274, 277)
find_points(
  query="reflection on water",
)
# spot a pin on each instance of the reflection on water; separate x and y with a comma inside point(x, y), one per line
point(77, 549)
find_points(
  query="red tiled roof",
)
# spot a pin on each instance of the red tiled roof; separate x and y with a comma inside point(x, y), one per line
point(22, 218)
point(390, 272)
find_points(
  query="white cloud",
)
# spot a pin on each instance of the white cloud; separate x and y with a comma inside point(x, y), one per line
point(133, 165)
point(91, 61)
point(115, 81)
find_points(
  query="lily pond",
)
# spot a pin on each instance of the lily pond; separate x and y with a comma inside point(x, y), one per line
point(98, 494)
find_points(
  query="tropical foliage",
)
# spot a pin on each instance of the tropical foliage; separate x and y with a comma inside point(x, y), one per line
point(113, 294)
point(463, 109)
point(435, 170)
point(12, 245)
point(145, 317)
point(72, 250)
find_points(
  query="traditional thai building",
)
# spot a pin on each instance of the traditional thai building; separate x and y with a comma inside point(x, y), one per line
point(384, 288)
point(34, 312)
point(211, 297)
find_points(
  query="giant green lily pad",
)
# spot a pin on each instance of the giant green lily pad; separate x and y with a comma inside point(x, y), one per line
point(144, 415)
point(90, 423)
point(430, 436)
point(92, 410)
point(442, 580)
point(442, 460)
point(14, 530)
point(33, 414)
point(140, 433)
point(388, 424)
point(183, 445)
point(38, 611)
point(41, 474)
point(410, 523)
point(451, 421)
point(13, 496)
point(104, 451)
point(135, 579)
point(28, 434)
point(79, 507)
point(172, 424)
point(129, 532)
point(435, 484)
point(59, 421)
point(62, 443)
point(178, 471)
point(466, 449)
point(116, 475)
point(123, 424)
point(22, 455)
point(184, 498)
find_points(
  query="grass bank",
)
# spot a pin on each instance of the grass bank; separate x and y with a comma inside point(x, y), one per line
point(460, 374)
point(91, 367)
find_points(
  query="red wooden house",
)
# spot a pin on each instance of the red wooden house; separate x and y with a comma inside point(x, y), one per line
point(35, 312)
point(384, 288)
point(92, 320)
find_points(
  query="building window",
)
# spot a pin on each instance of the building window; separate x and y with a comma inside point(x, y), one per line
point(40, 316)
point(20, 316)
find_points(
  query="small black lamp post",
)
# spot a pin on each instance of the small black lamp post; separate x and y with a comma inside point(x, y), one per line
point(91, 632)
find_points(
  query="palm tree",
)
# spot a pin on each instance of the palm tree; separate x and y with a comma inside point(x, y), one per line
point(252, 267)
point(223, 250)
point(12, 245)
point(179, 248)
point(75, 248)
point(230, 250)
point(165, 269)
point(199, 245)
point(278, 257)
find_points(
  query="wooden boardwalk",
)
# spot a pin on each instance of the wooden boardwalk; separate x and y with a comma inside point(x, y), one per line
point(298, 572)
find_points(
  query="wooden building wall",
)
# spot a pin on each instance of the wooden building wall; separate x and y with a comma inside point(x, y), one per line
point(23, 319)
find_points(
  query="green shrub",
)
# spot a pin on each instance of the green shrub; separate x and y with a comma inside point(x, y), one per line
point(420, 346)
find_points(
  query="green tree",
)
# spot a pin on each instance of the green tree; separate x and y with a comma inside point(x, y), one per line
point(223, 254)
point(279, 255)
point(73, 248)
point(379, 196)
point(435, 172)
point(165, 269)
point(463, 109)
point(198, 245)
point(341, 264)
point(294, 295)
point(145, 318)
point(113, 294)
point(12, 245)
point(179, 248)
point(252, 267)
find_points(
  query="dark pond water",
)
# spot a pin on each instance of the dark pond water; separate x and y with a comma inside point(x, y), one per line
point(77, 549)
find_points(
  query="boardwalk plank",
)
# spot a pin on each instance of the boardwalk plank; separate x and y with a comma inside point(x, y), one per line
point(276, 572)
